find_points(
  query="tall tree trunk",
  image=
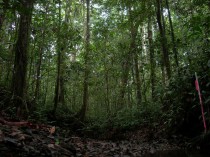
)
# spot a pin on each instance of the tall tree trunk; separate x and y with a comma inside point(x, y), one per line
point(82, 113)
point(152, 60)
point(106, 78)
point(137, 76)
point(2, 16)
point(166, 60)
point(21, 56)
point(175, 52)
point(59, 87)
point(41, 51)
point(31, 69)
point(38, 71)
point(46, 88)
point(107, 91)
point(144, 91)
point(124, 80)
point(132, 54)
point(163, 73)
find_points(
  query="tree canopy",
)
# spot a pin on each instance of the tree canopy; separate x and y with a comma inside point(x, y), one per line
point(127, 62)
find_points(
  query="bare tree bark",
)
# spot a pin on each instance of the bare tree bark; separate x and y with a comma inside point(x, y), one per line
point(21, 56)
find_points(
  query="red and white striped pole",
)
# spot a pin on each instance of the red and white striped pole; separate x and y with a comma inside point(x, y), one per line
point(201, 102)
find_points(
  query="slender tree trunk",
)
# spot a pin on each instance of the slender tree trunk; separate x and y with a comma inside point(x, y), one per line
point(38, 72)
point(47, 83)
point(73, 85)
point(127, 64)
point(138, 81)
point(31, 68)
point(107, 80)
point(124, 80)
point(82, 113)
point(106, 77)
point(2, 16)
point(41, 51)
point(152, 59)
point(59, 87)
point(163, 74)
point(107, 92)
point(133, 47)
point(175, 52)
point(21, 56)
point(166, 60)
point(144, 86)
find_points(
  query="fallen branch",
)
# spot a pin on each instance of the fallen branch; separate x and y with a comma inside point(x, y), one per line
point(14, 123)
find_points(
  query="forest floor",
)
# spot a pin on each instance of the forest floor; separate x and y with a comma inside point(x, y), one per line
point(24, 139)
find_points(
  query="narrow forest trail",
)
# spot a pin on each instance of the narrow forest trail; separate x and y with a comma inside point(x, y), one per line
point(26, 139)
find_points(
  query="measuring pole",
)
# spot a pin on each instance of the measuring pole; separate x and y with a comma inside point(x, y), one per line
point(201, 102)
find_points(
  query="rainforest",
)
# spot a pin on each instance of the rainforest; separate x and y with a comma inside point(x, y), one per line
point(104, 78)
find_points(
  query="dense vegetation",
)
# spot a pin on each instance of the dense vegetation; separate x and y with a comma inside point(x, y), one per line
point(106, 64)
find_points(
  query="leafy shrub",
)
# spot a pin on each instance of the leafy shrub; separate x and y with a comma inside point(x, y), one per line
point(182, 113)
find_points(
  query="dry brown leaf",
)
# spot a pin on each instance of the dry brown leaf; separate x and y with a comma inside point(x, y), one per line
point(15, 133)
point(21, 137)
point(52, 130)
point(51, 146)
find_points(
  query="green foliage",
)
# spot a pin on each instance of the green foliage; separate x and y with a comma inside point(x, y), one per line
point(181, 103)
point(4, 56)
point(39, 115)
point(110, 44)
point(127, 118)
